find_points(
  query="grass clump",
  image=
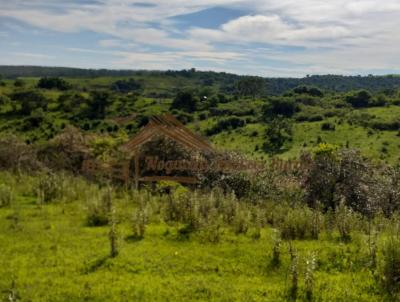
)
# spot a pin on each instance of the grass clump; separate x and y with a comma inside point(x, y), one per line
point(390, 271)
point(6, 195)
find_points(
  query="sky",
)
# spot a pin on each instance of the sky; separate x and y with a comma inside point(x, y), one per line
point(272, 38)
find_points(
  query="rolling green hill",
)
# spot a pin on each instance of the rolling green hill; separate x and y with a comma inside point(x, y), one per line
point(235, 112)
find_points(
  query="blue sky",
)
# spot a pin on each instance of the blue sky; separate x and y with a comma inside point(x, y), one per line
point(258, 37)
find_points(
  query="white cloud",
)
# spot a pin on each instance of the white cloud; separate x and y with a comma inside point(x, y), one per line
point(341, 36)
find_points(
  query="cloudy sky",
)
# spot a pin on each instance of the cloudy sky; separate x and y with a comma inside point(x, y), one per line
point(259, 37)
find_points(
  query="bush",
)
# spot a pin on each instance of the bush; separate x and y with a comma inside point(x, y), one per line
point(49, 188)
point(241, 221)
point(298, 224)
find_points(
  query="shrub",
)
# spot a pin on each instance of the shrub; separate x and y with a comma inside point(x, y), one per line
point(6, 195)
point(241, 221)
point(99, 208)
point(212, 229)
point(298, 223)
point(49, 188)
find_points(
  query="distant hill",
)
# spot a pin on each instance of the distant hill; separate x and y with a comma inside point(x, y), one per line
point(275, 86)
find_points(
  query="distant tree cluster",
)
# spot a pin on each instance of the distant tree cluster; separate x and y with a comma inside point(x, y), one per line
point(53, 83)
point(313, 91)
point(129, 85)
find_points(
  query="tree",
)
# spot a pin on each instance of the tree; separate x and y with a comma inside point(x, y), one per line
point(250, 86)
point(360, 99)
point(53, 83)
point(98, 104)
point(284, 107)
point(185, 101)
point(126, 85)
point(278, 132)
point(313, 91)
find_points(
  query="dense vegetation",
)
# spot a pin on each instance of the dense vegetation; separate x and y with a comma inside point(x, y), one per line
point(325, 230)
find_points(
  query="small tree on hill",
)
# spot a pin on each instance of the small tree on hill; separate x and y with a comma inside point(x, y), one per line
point(279, 107)
point(184, 101)
point(277, 134)
point(98, 104)
point(53, 83)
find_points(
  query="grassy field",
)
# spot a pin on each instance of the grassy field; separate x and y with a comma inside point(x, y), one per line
point(50, 253)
